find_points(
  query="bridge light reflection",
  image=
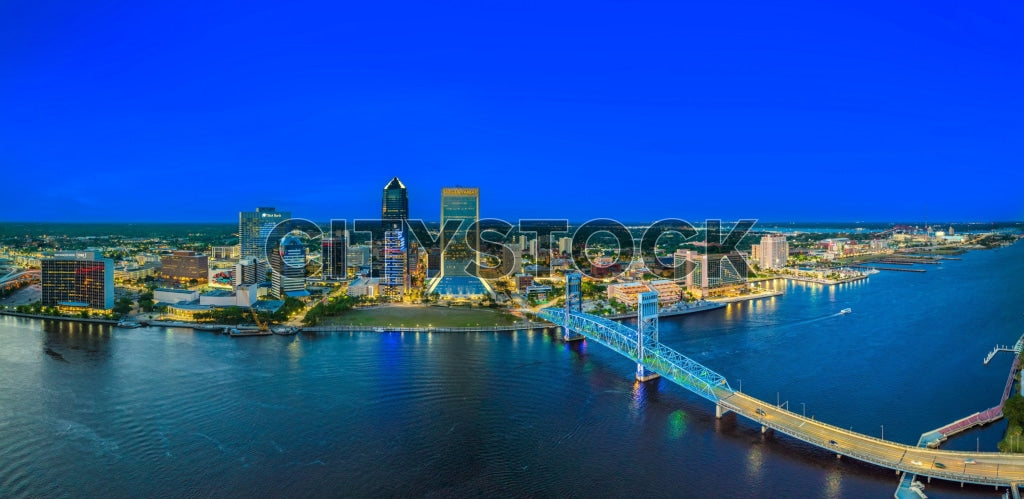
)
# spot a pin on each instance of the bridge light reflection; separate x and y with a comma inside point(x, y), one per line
point(641, 392)
point(833, 483)
point(755, 463)
point(676, 424)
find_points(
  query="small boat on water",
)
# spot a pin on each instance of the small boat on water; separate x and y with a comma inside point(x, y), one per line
point(378, 330)
point(846, 311)
point(128, 324)
point(285, 330)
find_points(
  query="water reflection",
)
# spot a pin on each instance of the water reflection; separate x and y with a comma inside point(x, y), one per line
point(642, 394)
point(676, 424)
point(755, 463)
point(67, 341)
point(833, 483)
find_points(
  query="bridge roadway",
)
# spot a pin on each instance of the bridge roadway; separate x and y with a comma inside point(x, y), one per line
point(989, 468)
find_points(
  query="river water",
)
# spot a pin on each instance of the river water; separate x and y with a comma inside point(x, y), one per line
point(94, 411)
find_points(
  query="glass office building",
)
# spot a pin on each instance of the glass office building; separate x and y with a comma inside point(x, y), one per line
point(457, 257)
point(254, 227)
point(81, 279)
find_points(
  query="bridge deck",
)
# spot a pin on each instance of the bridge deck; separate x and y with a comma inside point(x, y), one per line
point(986, 468)
point(990, 468)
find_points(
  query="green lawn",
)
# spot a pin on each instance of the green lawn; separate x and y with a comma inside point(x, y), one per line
point(421, 315)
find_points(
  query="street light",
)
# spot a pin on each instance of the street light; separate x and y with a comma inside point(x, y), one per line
point(805, 408)
point(883, 432)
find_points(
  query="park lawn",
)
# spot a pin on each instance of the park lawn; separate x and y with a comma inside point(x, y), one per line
point(423, 316)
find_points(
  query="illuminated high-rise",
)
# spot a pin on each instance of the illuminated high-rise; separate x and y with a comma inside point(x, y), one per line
point(393, 283)
point(78, 279)
point(289, 265)
point(458, 260)
point(395, 204)
point(774, 250)
point(254, 227)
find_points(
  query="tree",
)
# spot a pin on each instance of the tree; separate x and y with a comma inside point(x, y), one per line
point(123, 306)
point(146, 301)
point(1013, 409)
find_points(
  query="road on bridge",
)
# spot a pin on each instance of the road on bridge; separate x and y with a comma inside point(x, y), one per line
point(988, 468)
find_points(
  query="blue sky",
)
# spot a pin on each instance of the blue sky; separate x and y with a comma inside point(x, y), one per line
point(817, 111)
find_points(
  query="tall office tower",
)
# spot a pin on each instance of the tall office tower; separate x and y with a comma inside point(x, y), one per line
point(774, 251)
point(78, 279)
point(250, 271)
point(254, 227)
point(456, 281)
point(393, 284)
point(394, 211)
point(289, 264)
point(332, 255)
point(395, 202)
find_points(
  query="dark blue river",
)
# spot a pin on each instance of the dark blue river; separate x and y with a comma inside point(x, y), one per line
point(91, 411)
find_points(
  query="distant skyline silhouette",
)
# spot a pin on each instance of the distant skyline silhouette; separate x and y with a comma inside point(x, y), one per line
point(628, 110)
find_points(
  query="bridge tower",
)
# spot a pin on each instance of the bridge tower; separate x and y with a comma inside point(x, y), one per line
point(647, 332)
point(573, 303)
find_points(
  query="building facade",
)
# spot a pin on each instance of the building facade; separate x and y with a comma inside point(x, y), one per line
point(185, 266)
point(250, 271)
point(254, 227)
point(774, 250)
point(288, 264)
point(458, 260)
point(333, 253)
point(78, 279)
point(394, 281)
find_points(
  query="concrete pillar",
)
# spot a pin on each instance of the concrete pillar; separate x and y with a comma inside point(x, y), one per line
point(720, 411)
point(644, 374)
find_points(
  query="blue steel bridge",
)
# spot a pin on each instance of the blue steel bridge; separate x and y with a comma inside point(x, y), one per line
point(653, 359)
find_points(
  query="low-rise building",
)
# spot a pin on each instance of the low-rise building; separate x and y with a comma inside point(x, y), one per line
point(173, 296)
point(186, 311)
point(241, 296)
point(668, 291)
point(626, 292)
point(364, 286)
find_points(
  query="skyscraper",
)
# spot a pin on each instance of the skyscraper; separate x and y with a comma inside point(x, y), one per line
point(394, 211)
point(774, 251)
point(463, 204)
point(289, 264)
point(254, 227)
point(332, 256)
point(394, 203)
point(393, 284)
point(78, 279)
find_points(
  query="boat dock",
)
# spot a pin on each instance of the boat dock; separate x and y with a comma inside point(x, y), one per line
point(909, 487)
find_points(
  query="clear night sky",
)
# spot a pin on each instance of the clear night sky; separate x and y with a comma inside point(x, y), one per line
point(133, 111)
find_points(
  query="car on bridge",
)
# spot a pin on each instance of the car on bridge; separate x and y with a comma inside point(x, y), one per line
point(833, 442)
point(761, 412)
point(917, 463)
point(970, 461)
point(940, 466)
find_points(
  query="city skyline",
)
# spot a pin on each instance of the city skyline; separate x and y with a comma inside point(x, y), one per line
point(153, 113)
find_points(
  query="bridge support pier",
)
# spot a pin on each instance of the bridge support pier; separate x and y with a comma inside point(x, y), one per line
point(569, 335)
point(644, 374)
point(720, 411)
